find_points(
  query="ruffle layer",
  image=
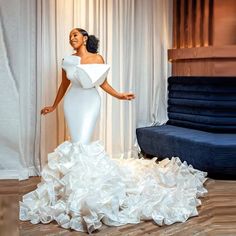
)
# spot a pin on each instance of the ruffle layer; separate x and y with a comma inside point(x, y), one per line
point(82, 188)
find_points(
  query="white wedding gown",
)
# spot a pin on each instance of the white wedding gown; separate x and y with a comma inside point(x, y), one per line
point(82, 187)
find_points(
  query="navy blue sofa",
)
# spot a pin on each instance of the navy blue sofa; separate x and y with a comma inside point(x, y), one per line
point(201, 129)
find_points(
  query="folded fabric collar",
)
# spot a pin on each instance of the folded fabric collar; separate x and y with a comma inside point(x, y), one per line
point(92, 75)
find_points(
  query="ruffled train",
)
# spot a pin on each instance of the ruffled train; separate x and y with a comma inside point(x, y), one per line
point(83, 188)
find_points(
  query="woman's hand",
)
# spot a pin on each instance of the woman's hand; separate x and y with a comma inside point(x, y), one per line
point(126, 96)
point(47, 110)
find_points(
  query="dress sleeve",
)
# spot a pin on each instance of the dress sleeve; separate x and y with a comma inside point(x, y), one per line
point(63, 64)
point(92, 75)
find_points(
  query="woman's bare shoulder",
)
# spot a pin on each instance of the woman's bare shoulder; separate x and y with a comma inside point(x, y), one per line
point(96, 59)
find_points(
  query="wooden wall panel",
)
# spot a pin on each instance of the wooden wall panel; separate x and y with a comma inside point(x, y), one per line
point(181, 26)
point(197, 24)
point(191, 24)
point(189, 27)
point(205, 67)
point(204, 37)
point(205, 28)
point(224, 22)
point(175, 23)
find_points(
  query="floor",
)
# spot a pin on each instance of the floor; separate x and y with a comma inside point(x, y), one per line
point(217, 215)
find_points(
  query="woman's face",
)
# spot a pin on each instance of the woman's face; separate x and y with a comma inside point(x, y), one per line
point(76, 39)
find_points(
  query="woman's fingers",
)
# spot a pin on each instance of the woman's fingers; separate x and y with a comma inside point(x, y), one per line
point(130, 96)
point(43, 111)
point(46, 110)
point(127, 96)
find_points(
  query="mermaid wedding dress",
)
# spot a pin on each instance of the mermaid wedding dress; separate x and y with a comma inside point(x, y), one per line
point(82, 187)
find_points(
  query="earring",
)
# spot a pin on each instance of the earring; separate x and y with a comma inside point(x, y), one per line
point(84, 43)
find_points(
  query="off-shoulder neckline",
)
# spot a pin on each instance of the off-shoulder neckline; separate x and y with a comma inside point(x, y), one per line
point(92, 64)
point(75, 56)
point(88, 63)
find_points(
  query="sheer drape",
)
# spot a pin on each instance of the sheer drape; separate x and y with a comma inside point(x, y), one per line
point(19, 101)
point(134, 37)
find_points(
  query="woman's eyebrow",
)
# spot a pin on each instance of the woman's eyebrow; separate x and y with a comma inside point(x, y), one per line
point(72, 34)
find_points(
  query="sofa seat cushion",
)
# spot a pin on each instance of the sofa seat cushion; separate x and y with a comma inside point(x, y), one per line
point(206, 151)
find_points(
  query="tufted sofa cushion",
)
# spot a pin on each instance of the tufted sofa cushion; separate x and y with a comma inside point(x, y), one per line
point(203, 103)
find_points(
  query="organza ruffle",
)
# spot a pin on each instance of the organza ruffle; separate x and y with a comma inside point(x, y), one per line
point(83, 188)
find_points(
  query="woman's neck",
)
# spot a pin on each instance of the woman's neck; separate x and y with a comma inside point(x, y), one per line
point(81, 52)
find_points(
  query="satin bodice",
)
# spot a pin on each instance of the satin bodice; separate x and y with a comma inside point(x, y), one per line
point(82, 101)
point(84, 75)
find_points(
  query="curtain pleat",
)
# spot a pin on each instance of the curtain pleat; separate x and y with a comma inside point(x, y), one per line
point(19, 121)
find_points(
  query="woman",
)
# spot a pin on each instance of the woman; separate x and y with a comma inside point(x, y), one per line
point(86, 110)
point(81, 186)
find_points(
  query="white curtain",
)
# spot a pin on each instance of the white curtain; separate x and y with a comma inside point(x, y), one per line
point(134, 38)
point(19, 123)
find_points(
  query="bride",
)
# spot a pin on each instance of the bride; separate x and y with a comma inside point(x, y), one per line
point(82, 187)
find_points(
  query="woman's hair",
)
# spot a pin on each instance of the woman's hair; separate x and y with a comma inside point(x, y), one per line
point(92, 41)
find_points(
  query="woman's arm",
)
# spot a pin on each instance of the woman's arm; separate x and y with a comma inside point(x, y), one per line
point(125, 96)
point(62, 89)
point(108, 88)
point(60, 93)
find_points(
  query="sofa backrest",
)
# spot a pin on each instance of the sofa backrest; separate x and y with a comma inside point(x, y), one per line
point(203, 103)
